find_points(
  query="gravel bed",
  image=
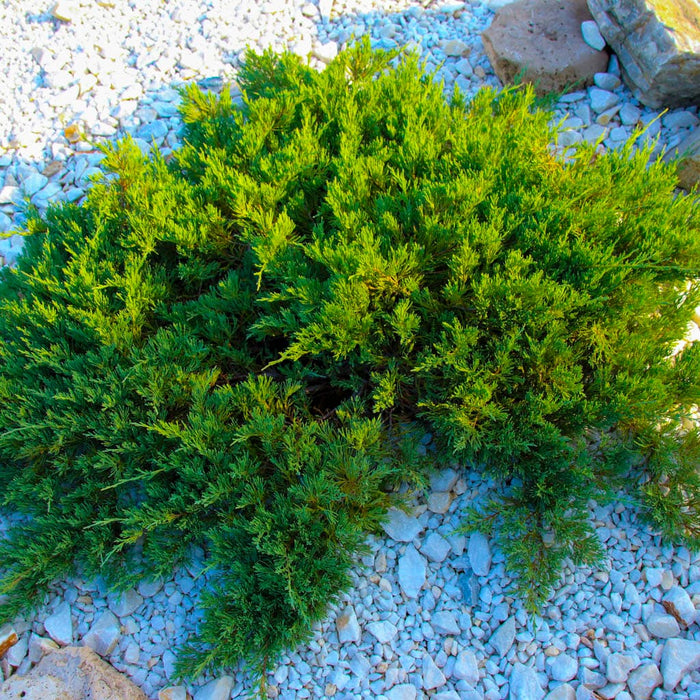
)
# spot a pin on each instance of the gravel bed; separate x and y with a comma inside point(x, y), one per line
point(431, 613)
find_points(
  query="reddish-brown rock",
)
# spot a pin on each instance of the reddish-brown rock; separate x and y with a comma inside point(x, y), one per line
point(71, 673)
point(541, 41)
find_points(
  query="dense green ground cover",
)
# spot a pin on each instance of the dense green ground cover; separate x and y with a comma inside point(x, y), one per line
point(242, 348)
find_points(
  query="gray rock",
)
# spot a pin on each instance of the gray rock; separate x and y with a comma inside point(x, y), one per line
point(630, 115)
point(502, 639)
point(614, 623)
point(124, 604)
point(347, 626)
point(592, 679)
point(602, 100)
point(679, 120)
point(404, 691)
point(412, 572)
point(592, 36)
point(384, 631)
point(444, 622)
point(39, 647)
point(104, 634)
point(658, 46)
point(610, 691)
point(663, 626)
point(541, 41)
point(445, 479)
point(479, 554)
point(466, 668)
point(619, 667)
point(435, 547)
point(433, 677)
point(524, 684)
point(33, 183)
point(148, 589)
point(677, 602)
point(562, 692)
point(439, 502)
point(678, 658)
point(218, 689)
point(401, 527)
point(16, 653)
point(564, 668)
point(454, 47)
point(606, 81)
point(59, 626)
point(643, 681)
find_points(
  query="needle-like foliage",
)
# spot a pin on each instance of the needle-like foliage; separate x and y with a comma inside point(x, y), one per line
point(240, 349)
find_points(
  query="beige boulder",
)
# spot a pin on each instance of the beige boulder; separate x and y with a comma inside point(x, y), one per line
point(689, 166)
point(541, 41)
point(71, 673)
point(658, 45)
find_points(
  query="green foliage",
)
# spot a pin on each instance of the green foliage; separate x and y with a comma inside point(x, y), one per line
point(240, 349)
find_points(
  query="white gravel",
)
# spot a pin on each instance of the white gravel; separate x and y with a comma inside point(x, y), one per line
point(430, 614)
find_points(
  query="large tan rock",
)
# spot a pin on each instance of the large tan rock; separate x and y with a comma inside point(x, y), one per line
point(689, 166)
point(658, 44)
point(71, 673)
point(541, 39)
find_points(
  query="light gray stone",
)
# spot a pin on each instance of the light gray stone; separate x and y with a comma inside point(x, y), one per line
point(104, 634)
point(658, 45)
point(218, 689)
point(444, 622)
point(404, 691)
point(643, 681)
point(35, 182)
point(479, 553)
point(439, 502)
point(435, 547)
point(682, 119)
point(592, 36)
point(384, 631)
point(124, 604)
point(663, 626)
point(433, 677)
point(147, 589)
point(564, 667)
point(39, 647)
point(606, 81)
point(454, 47)
point(402, 527)
point(445, 479)
point(59, 626)
point(502, 639)
point(614, 622)
point(524, 684)
point(347, 626)
point(602, 100)
point(466, 667)
point(619, 667)
point(678, 658)
point(16, 653)
point(677, 602)
point(630, 115)
point(561, 692)
point(412, 570)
